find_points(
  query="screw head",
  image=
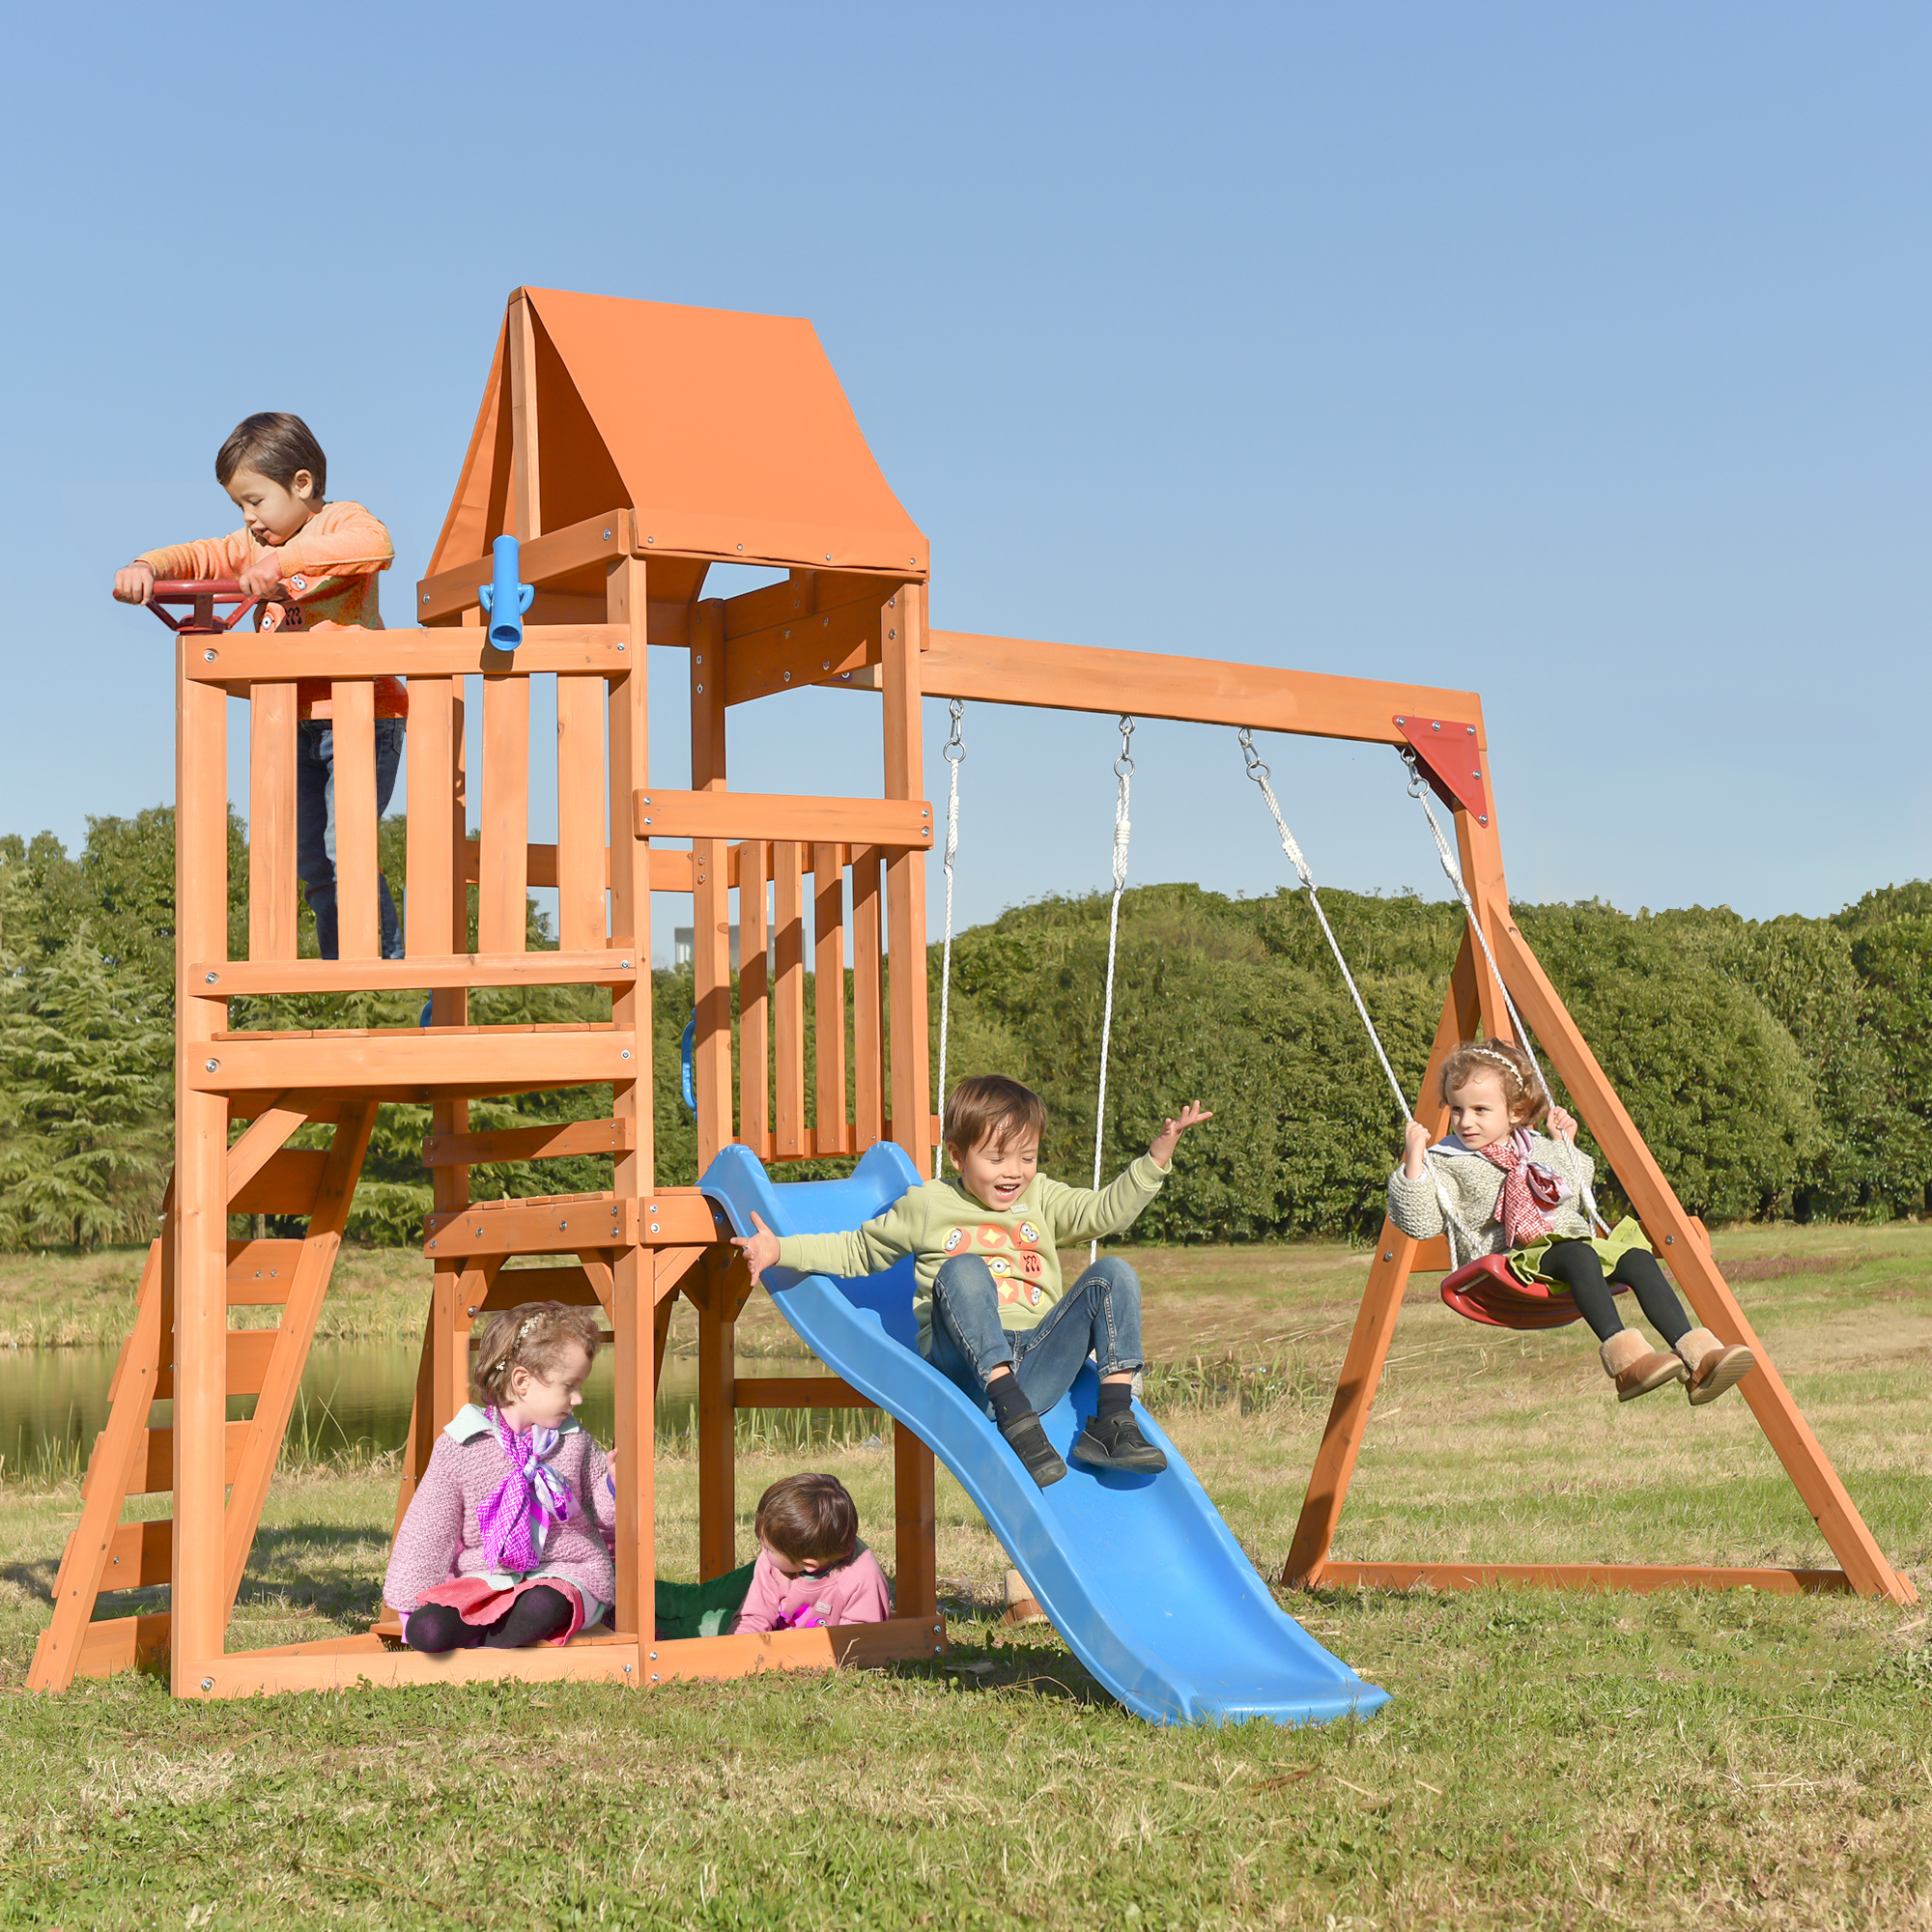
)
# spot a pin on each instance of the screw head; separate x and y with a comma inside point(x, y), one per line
point(626, 1053)
point(211, 1066)
point(607, 539)
point(650, 540)
point(1389, 1255)
point(425, 596)
point(741, 546)
point(212, 977)
point(208, 1684)
point(891, 635)
point(208, 656)
point(787, 677)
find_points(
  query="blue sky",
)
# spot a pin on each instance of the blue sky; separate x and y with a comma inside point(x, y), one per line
point(1575, 356)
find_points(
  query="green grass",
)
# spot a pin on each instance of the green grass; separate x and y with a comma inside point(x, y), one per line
point(1547, 1760)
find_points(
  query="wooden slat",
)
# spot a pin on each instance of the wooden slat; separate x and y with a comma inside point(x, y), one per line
point(286, 1185)
point(755, 1119)
point(429, 746)
point(259, 1272)
point(904, 824)
point(1637, 1576)
point(1079, 678)
point(711, 918)
point(379, 1063)
point(868, 1091)
point(502, 906)
point(265, 1136)
point(830, 1134)
point(140, 1556)
point(789, 1141)
point(540, 560)
point(583, 864)
point(669, 871)
point(525, 498)
point(796, 1392)
point(453, 970)
point(716, 1432)
point(357, 911)
point(243, 661)
point(249, 1351)
point(271, 822)
point(546, 1143)
point(513, 1287)
point(124, 1643)
point(535, 1226)
point(155, 1465)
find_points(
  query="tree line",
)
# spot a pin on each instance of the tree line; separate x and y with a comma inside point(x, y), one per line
point(1778, 1068)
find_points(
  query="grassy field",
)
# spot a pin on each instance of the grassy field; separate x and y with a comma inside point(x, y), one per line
point(1672, 1760)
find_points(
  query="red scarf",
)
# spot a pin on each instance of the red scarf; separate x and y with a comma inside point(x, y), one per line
point(1528, 1188)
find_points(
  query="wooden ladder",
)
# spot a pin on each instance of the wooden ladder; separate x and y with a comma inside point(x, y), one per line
point(106, 1555)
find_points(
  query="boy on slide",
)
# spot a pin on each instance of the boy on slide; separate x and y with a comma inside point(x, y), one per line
point(993, 1313)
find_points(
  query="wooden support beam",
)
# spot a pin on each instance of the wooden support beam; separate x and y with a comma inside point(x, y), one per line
point(286, 1183)
point(540, 560)
point(1636, 1577)
point(600, 968)
point(902, 670)
point(548, 1143)
point(1081, 677)
point(899, 824)
point(796, 1392)
point(526, 492)
point(241, 659)
point(567, 1058)
point(818, 650)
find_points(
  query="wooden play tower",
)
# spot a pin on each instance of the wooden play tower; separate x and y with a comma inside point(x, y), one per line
point(629, 446)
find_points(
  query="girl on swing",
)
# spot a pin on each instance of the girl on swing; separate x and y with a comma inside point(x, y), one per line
point(1500, 1187)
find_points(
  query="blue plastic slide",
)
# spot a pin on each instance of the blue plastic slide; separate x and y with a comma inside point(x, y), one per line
point(1138, 1573)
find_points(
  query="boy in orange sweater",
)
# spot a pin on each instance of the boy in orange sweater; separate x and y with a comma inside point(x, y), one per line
point(314, 563)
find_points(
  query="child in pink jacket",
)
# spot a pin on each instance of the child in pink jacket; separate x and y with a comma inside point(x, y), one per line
point(812, 1567)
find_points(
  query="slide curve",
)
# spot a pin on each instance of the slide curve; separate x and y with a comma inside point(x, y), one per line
point(1138, 1573)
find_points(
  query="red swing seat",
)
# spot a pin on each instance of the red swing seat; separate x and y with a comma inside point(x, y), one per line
point(1487, 1288)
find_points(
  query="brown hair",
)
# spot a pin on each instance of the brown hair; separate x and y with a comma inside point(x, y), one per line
point(537, 1335)
point(807, 1519)
point(279, 445)
point(1523, 1091)
point(990, 1107)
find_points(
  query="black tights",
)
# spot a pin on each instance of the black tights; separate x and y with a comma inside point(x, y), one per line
point(1578, 1268)
point(538, 1613)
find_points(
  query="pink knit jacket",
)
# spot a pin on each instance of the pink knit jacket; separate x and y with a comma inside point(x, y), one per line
point(440, 1538)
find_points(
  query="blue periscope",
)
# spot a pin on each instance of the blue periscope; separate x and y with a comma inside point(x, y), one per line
point(1138, 1573)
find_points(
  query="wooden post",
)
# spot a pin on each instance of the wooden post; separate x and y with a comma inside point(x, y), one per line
point(1374, 1321)
point(717, 1419)
point(199, 1228)
point(901, 624)
point(830, 1134)
point(271, 822)
point(790, 1138)
point(711, 890)
point(755, 1005)
point(634, 1278)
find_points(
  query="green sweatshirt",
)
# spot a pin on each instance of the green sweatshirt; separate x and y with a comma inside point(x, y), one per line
point(938, 1219)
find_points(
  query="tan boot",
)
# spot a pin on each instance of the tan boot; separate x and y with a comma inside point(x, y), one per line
point(1637, 1367)
point(1714, 1365)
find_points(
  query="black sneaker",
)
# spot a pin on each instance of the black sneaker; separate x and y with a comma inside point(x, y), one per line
point(1030, 1444)
point(1115, 1442)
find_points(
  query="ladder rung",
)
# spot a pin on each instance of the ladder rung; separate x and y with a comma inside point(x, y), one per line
point(155, 1472)
point(122, 1643)
point(140, 1555)
point(288, 1184)
point(249, 1352)
point(260, 1272)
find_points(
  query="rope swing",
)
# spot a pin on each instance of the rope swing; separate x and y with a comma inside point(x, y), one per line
point(954, 755)
point(1123, 771)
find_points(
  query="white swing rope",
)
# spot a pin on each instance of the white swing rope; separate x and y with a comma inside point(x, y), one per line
point(1123, 769)
point(1418, 790)
point(1259, 772)
point(954, 755)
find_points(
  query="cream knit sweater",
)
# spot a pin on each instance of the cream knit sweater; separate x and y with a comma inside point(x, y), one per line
point(1473, 1189)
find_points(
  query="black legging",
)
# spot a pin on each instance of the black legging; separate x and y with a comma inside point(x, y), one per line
point(1578, 1268)
point(540, 1612)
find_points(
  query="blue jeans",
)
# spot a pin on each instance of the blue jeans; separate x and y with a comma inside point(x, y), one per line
point(1099, 1315)
point(315, 826)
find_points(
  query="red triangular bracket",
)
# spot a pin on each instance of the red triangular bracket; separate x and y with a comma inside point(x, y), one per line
point(1451, 758)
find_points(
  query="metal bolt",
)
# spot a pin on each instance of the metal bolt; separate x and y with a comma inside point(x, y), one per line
point(623, 647)
point(1668, 1240)
point(654, 1677)
point(627, 1053)
point(647, 819)
point(1401, 721)
point(1389, 1255)
point(787, 677)
point(699, 658)
point(828, 556)
point(212, 1065)
point(650, 540)
point(1435, 725)
point(1471, 729)
point(700, 690)
point(893, 603)
point(208, 1684)
point(654, 1657)
point(628, 1669)
point(891, 635)
point(939, 1650)
point(472, 1310)
point(208, 656)
point(741, 546)
point(624, 963)
point(1484, 820)
point(607, 539)
point(425, 596)
point(826, 665)
point(212, 977)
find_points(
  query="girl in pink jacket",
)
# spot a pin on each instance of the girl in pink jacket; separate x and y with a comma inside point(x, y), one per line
point(812, 1567)
point(508, 1537)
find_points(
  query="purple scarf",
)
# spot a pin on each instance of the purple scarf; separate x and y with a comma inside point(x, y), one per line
point(517, 1515)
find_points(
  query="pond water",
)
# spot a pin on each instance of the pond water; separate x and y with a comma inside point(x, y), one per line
point(354, 1399)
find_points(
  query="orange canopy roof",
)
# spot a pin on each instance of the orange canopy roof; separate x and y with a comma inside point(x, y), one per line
point(726, 434)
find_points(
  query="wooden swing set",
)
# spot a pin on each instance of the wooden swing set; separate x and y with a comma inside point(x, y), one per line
point(629, 446)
